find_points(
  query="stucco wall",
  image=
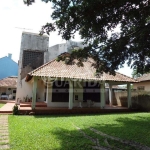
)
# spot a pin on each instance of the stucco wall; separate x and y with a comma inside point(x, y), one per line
point(40, 90)
point(24, 89)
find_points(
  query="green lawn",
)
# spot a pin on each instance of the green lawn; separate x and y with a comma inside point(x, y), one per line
point(1, 104)
point(75, 132)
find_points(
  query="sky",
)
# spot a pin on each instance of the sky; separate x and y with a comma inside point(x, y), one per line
point(17, 17)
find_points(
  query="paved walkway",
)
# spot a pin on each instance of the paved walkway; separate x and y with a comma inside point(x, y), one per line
point(4, 133)
point(8, 107)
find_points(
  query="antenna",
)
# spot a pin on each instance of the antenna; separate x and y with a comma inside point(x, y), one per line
point(22, 28)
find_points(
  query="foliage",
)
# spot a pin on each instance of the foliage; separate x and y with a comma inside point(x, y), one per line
point(60, 133)
point(15, 110)
point(135, 74)
point(94, 20)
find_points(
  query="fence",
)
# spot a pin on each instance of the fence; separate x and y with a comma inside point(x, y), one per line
point(140, 99)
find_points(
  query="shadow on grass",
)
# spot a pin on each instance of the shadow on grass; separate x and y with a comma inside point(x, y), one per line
point(134, 129)
point(80, 115)
point(66, 136)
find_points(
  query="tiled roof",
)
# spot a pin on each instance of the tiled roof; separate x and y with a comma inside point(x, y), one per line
point(9, 82)
point(145, 77)
point(87, 72)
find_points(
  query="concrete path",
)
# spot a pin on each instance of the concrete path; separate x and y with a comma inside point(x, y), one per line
point(4, 133)
point(7, 108)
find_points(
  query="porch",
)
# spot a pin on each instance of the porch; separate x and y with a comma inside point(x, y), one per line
point(42, 109)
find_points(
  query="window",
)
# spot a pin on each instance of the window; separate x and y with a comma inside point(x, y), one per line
point(14, 91)
point(140, 87)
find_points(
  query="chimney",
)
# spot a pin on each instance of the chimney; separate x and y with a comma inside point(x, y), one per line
point(9, 55)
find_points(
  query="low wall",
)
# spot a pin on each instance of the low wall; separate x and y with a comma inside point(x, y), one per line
point(140, 100)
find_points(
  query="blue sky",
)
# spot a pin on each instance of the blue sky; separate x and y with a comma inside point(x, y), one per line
point(17, 17)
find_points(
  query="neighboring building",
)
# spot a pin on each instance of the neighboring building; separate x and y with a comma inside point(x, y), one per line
point(60, 84)
point(143, 83)
point(8, 87)
point(8, 67)
point(55, 50)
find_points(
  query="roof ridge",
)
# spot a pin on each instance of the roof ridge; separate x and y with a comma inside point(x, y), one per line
point(3, 57)
point(8, 77)
point(125, 75)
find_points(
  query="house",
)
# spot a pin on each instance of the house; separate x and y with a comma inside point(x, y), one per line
point(8, 88)
point(143, 83)
point(60, 84)
point(8, 67)
point(34, 52)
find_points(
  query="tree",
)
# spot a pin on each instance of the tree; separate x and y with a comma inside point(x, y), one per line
point(135, 74)
point(95, 19)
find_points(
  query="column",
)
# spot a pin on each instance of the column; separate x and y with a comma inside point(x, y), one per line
point(34, 92)
point(129, 95)
point(47, 93)
point(70, 94)
point(110, 94)
point(102, 93)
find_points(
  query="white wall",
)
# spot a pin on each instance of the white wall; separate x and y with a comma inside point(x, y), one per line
point(23, 89)
point(145, 84)
point(40, 90)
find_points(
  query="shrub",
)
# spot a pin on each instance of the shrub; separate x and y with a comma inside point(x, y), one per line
point(15, 110)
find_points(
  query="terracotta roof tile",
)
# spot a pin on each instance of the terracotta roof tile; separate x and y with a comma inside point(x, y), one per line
point(9, 82)
point(87, 72)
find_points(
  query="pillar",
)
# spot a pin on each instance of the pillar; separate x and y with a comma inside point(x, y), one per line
point(129, 95)
point(102, 93)
point(34, 92)
point(110, 94)
point(70, 94)
point(47, 93)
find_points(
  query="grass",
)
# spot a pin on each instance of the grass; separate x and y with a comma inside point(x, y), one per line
point(61, 133)
point(2, 104)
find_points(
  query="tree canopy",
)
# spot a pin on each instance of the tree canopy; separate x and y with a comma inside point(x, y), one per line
point(135, 74)
point(95, 19)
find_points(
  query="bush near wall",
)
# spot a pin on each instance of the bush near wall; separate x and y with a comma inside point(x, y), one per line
point(140, 99)
point(142, 102)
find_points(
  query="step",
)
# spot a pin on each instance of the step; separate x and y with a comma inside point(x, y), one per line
point(29, 105)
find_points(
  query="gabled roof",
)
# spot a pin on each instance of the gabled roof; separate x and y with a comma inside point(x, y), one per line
point(87, 72)
point(145, 77)
point(10, 82)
